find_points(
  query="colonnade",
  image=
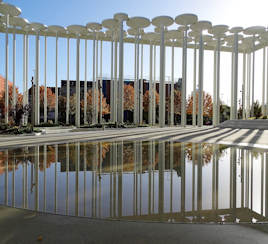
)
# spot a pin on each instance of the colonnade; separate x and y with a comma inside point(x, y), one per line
point(191, 34)
point(122, 185)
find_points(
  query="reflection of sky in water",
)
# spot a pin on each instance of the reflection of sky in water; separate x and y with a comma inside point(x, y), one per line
point(116, 180)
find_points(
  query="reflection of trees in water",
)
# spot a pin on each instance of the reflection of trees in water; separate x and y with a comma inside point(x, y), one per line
point(90, 154)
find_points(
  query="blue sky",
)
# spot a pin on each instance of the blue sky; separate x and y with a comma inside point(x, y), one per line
point(60, 12)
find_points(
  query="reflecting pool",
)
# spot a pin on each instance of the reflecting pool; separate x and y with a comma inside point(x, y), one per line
point(142, 180)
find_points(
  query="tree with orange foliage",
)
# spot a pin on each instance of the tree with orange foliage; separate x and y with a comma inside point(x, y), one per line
point(146, 100)
point(19, 102)
point(128, 97)
point(51, 98)
point(105, 106)
point(207, 105)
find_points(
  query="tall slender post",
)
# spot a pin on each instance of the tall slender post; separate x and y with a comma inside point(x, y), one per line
point(68, 82)
point(14, 97)
point(172, 87)
point(135, 82)
point(215, 90)
point(200, 81)
point(85, 85)
point(45, 81)
point(101, 82)
point(97, 83)
point(154, 87)
point(112, 84)
point(77, 90)
point(141, 90)
point(56, 85)
point(194, 88)
point(37, 88)
point(94, 81)
point(6, 72)
point(218, 119)
point(232, 87)
point(263, 81)
point(184, 77)
point(244, 86)
point(115, 80)
point(150, 120)
point(253, 77)
point(120, 75)
point(24, 78)
point(235, 74)
point(162, 79)
point(266, 110)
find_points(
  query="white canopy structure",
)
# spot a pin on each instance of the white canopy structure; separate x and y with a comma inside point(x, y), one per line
point(182, 32)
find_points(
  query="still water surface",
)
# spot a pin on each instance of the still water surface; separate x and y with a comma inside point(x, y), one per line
point(142, 180)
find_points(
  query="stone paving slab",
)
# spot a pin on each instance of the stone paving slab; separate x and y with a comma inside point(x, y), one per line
point(24, 226)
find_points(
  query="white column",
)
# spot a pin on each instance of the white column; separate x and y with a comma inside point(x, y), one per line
point(200, 81)
point(68, 82)
point(120, 73)
point(24, 78)
point(115, 81)
point(101, 82)
point(248, 84)
point(112, 84)
point(94, 82)
point(77, 90)
point(14, 97)
point(154, 87)
point(218, 78)
point(6, 72)
point(215, 90)
point(244, 86)
point(26, 71)
point(135, 83)
point(162, 80)
point(232, 87)
point(266, 110)
point(172, 87)
point(37, 88)
point(56, 85)
point(263, 81)
point(184, 77)
point(141, 90)
point(253, 77)
point(97, 83)
point(45, 81)
point(194, 88)
point(150, 119)
point(85, 85)
point(235, 74)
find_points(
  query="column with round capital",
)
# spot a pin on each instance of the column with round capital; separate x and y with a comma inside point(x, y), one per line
point(219, 33)
point(78, 30)
point(137, 24)
point(57, 30)
point(254, 31)
point(94, 27)
point(185, 20)
point(162, 22)
point(235, 31)
point(112, 26)
point(201, 26)
point(7, 10)
point(121, 17)
point(37, 27)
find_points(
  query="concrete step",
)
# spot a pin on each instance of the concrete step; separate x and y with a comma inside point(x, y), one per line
point(257, 124)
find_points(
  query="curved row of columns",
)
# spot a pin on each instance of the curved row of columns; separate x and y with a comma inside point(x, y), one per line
point(160, 37)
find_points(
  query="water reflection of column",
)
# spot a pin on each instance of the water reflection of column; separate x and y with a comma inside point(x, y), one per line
point(85, 176)
point(36, 154)
point(231, 176)
point(161, 167)
point(6, 178)
point(182, 179)
point(13, 179)
point(242, 178)
point(153, 174)
point(93, 188)
point(120, 181)
point(262, 183)
point(45, 178)
point(100, 172)
point(56, 179)
point(135, 180)
point(96, 156)
point(171, 175)
point(114, 177)
point(234, 181)
point(23, 180)
point(193, 175)
point(111, 179)
point(217, 177)
point(251, 181)
point(214, 177)
point(247, 179)
point(266, 185)
point(140, 171)
point(77, 167)
point(26, 182)
point(67, 178)
point(199, 178)
point(150, 177)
